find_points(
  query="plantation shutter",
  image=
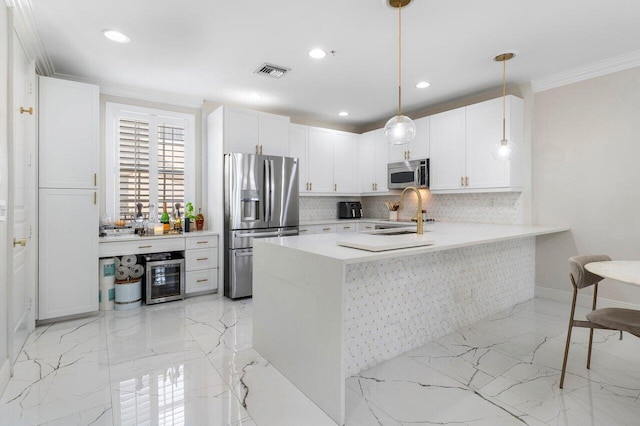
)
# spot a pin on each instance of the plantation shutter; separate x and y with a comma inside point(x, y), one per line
point(133, 151)
point(170, 165)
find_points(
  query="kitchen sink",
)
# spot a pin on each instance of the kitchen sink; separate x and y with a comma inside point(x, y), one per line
point(399, 232)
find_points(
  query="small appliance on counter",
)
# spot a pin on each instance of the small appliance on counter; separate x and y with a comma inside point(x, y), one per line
point(349, 210)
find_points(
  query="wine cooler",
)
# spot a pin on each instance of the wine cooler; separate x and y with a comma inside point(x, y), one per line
point(164, 277)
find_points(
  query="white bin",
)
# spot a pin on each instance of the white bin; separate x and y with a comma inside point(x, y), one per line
point(128, 294)
point(107, 283)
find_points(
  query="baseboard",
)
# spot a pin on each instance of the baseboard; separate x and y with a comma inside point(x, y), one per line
point(582, 300)
point(5, 374)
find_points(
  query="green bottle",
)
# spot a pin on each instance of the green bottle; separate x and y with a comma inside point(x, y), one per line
point(164, 219)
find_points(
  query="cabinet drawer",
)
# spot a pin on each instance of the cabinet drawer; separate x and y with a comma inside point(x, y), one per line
point(202, 242)
point(201, 259)
point(201, 280)
point(366, 226)
point(346, 227)
point(140, 246)
point(305, 230)
point(325, 229)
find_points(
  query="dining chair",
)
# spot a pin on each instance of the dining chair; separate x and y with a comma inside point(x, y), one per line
point(607, 319)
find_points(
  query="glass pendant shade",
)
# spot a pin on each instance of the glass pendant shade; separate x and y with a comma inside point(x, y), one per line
point(400, 130)
point(503, 150)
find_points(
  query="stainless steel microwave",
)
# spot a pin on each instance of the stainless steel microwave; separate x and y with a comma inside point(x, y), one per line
point(408, 173)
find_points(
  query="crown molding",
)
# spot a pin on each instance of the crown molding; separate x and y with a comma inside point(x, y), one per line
point(25, 27)
point(122, 91)
point(596, 69)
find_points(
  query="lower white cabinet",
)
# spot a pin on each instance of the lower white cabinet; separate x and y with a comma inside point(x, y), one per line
point(325, 229)
point(346, 227)
point(68, 252)
point(201, 263)
point(365, 226)
point(305, 230)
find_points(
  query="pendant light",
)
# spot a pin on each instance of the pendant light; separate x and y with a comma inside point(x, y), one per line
point(503, 150)
point(400, 129)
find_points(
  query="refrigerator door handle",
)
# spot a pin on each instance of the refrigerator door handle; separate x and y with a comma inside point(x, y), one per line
point(272, 188)
point(257, 234)
point(266, 195)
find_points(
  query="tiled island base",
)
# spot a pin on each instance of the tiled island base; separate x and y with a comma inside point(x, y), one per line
point(324, 313)
point(398, 304)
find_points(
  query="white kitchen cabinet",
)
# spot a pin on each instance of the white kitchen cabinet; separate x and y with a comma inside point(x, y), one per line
point(299, 148)
point(306, 230)
point(484, 130)
point(345, 163)
point(320, 160)
point(365, 226)
point(68, 252)
point(201, 263)
point(417, 149)
point(325, 229)
point(254, 132)
point(447, 162)
point(373, 159)
point(461, 147)
point(68, 134)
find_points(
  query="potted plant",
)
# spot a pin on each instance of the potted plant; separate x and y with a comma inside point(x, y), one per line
point(189, 216)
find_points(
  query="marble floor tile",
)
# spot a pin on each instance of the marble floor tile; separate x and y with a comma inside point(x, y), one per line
point(191, 362)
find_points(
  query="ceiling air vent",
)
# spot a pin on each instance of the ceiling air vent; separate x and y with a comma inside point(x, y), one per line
point(272, 70)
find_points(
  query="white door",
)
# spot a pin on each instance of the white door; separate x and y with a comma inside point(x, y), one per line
point(241, 131)
point(382, 161)
point(320, 159)
point(298, 146)
point(419, 148)
point(274, 134)
point(367, 161)
point(21, 195)
point(345, 162)
point(447, 163)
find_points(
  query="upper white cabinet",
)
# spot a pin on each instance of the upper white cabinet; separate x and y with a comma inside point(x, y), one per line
point(328, 159)
point(447, 161)
point(461, 147)
point(299, 148)
point(417, 149)
point(373, 159)
point(345, 163)
point(254, 132)
point(69, 138)
point(320, 160)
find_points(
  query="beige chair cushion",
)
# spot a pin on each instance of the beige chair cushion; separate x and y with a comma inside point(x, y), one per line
point(618, 319)
point(581, 276)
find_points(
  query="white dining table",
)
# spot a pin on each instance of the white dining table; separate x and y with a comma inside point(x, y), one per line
point(626, 271)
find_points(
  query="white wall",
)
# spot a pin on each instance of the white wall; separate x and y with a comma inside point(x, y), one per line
point(4, 48)
point(586, 174)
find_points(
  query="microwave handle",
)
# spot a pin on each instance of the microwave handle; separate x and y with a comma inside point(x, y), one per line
point(416, 176)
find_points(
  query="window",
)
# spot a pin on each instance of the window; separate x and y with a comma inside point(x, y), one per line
point(151, 153)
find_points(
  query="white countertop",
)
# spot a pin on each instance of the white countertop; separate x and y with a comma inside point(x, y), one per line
point(364, 219)
point(134, 237)
point(445, 235)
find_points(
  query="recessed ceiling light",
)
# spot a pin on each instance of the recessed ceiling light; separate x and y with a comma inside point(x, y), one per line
point(423, 85)
point(256, 96)
point(343, 113)
point(116, 36)
point(317, 53)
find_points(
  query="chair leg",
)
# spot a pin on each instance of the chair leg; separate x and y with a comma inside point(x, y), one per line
point(593, 308)
point(566, 349)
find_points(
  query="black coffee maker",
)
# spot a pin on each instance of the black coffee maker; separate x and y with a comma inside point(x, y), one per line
point(349, 210)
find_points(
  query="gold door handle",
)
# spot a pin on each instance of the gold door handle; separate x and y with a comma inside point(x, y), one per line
point(202, 258)
point(202, 281)
point(21, 242)
point(310, 186)
point(461, 181)
point(326, 229)
point(408, 155)
point(257, 149)
point(95, 179)
point(372, 187)
point(29, 110)
point(202, 242)
point(141, 247)
point(95, 198)
point(467, 181)
point(335, 186)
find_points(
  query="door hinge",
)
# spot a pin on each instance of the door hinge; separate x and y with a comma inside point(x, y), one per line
point(29, 303)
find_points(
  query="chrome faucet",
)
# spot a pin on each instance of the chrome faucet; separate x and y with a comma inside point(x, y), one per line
point(419, 215)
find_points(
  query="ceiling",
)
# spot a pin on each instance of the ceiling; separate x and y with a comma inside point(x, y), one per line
point(208, 49)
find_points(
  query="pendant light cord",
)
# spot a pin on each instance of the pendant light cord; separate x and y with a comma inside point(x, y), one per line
point(400, 59)
point(504, 100)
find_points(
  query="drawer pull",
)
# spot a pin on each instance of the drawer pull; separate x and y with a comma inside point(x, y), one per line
point(145, 246)
point(326, 229)
point(303, 230)
point(202, 258)
point(202, 242)
point(202, 281)
point(346, 227)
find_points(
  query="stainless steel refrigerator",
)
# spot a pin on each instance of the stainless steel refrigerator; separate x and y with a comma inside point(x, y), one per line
point(260, 201)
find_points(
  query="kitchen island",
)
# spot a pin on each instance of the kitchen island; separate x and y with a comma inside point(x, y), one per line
point(323, 312)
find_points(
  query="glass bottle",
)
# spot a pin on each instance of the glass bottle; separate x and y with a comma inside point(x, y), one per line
point(165, 218)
